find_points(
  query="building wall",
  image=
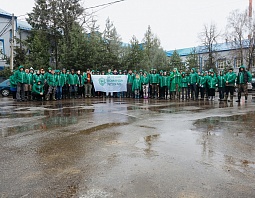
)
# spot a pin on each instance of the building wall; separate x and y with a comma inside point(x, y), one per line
point(223, 59)
point(5, 29)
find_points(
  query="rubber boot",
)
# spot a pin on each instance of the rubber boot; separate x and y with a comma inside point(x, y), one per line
point(239, 98)
point(47, 97)
point(231, 98)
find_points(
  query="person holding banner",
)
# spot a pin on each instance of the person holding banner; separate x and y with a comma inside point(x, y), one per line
point(88, 84)
point(130, 80)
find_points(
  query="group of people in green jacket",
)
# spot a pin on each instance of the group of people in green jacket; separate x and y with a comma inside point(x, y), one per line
point(182, 85)
point(28, 84)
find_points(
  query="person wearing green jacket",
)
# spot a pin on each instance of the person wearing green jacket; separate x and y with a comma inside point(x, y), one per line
point(221, 85)
point(13, 86)
point(60, 81)
point(65, 88)
point(130, 80)
point(137, 85)
point(202, 84)
point(72, 81)
point(211, 82)
point(184, 85)
point(52, 85)
point(242, 80)
point(21, 79)
point(29, 84)
point(145, 85)
point(154, 80)
point(38, 90)
point(164, 85)
point(230, 79)
point(193, 82)
point(175, 78)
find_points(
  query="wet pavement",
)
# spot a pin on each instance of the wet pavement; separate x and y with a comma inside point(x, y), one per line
point(96, 148)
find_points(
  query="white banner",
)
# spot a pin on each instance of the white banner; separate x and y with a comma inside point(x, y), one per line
point(110, 83)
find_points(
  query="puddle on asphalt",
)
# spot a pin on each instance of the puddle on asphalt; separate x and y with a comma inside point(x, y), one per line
point(147, 144)
point(101, 127)
point(242, 124)
point(51, 119)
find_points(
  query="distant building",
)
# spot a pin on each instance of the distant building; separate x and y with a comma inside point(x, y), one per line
point(226, 55)
point(21, 29)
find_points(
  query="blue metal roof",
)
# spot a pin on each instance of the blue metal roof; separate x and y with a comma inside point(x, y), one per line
point(219, 47)
point(4, 13)
point(23, 25)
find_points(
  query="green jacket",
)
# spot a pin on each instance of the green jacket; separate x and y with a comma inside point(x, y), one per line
point(20, 76)
point(243, 77)
point(230, 79)
point(30, 78)
point(193, 78)
point(60, 80)
point(64, 76)
point(154, 79)
point(221, 81)
point(165, 81)
point(136, 84)
point(212, 81)
point(202, 81)
point(37, 88)
point(175, 78)
point(130, 78)
point(51, 79)
point(13, 83)
point(72, 79)
point(145, 80)
point(184, 82)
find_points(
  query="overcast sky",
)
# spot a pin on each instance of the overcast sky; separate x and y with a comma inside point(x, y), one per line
point(176, 23)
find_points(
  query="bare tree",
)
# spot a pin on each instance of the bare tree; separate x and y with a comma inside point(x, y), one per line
point(208, 38)
point(237, 32)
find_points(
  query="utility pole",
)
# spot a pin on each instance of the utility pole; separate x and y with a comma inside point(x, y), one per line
point(12, 43)
point(250, 8)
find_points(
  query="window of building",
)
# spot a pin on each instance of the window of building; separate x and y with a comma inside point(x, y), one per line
point(238, 62)
point(222, 63)
point(1, 49)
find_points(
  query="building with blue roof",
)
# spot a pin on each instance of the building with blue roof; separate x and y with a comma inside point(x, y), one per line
point(21, 29)
point(227, 54)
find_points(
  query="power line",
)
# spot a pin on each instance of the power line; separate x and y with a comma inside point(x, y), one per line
point(110, 3)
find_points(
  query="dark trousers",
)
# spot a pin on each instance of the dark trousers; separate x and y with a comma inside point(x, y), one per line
point(80, 91)
point(221, 92)
point(154, 90)
point(20, 95)
point(38, 97)
point(65, 91)
point(194, 91)
point(164, 92)
point(59, 92)
point(211, 92)
point(184, 93)
point(202, 92)
point(129, 91)
point(230, 89)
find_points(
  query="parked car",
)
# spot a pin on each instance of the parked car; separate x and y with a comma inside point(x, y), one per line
point(5, 88)
point(249, 86)
point(253, 83)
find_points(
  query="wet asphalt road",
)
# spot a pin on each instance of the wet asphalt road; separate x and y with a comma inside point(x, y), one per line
point(97, 148)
